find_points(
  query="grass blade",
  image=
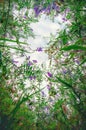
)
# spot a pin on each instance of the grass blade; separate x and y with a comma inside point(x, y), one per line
point(74, 47)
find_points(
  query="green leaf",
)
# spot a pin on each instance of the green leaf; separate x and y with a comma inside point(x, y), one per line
point(83, 61)
point(74, 47)
point(10, 40)
point(64, 82)
point(68, 86)
point(12, 47)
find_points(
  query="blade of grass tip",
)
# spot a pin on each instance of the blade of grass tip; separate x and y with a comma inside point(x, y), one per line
point(73, 47)
point(83, 62)
point(69, 86)
point(64, 82)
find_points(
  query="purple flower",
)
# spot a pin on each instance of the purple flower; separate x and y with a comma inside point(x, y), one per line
point(35, 61)
point(55, 6)
point(48, 87)
point(67, 10)
point(48, 9)
point(76, 61)
point(64, 71)
point(43, 9)
point(49, 74)
point(37, 10)
point(32, 77)
point(24, 17)
point(43, 94)
point(39, 49)
point(31, 29)
point(64, 19)
point(30, 63)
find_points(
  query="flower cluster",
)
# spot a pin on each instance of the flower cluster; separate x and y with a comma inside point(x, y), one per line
point(39, 49)
point(52, 6)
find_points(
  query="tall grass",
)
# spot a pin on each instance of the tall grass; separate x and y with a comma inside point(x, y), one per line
point(29, 108)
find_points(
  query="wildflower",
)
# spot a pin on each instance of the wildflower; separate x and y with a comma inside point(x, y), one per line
point(55, 7)
point(24, 17)
point(37, 10)
point(76, 61)
point(47, 10)
point(30, 63)
point(48, 87)
point(31, 29)
point(49, 74)
point(35, 61)
point(39, 49)
point(32, 77)
point(64, 71)
point(64, 19)
point(43, 94)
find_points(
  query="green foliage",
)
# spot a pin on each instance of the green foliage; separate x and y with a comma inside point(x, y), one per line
point(24, 108)
point(74, 47)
